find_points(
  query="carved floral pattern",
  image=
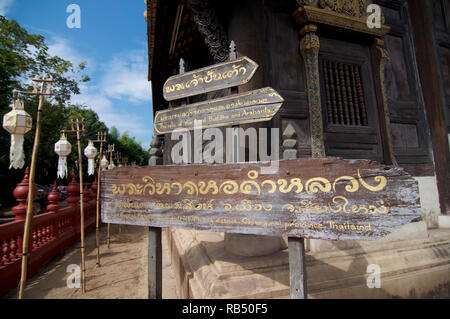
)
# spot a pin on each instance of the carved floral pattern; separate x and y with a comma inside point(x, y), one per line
point(353, 8)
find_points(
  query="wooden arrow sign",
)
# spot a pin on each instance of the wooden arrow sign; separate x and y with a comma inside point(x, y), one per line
point(254, 106)
point(215, 77)
point(326, 198)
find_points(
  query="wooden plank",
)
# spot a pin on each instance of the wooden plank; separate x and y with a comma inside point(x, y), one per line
point(258, 105)
point(212, 78)
point(154, 263)
point(327, 198)
point(428, 65)
point(297, 268)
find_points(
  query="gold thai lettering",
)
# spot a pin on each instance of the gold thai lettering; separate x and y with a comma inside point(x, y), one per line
point(208, 77)
point(247, 205)
point(252, 186)
point(339, 204)
point(314, 185)
point(380, 179)
point(349, 188)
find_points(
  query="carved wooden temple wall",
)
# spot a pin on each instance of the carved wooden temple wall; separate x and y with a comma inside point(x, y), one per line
point(349, 90)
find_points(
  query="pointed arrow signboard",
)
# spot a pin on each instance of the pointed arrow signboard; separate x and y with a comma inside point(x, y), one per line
point(212, 78)
point(253, 106)
point(322, 198)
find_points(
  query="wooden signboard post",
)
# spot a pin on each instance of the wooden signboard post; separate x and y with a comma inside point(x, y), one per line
point(322, 198)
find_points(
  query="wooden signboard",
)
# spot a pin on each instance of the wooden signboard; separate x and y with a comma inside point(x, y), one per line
point(327, 198)
point(214, 77)
point(254, 106)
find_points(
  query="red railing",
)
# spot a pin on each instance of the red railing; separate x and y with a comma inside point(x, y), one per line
point(50, 234)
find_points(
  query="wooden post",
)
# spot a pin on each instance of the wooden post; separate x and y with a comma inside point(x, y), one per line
point(309, 47)
point(154, 263)
point(80, 169)
point(78, 130)
point(111, 166)
point(296, 246)
point(108, 235)
point(101, 138)
point(154, 237)
point(26, 233)
point(297, 268)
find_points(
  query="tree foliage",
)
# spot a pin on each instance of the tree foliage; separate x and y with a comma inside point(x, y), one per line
point(23, 56)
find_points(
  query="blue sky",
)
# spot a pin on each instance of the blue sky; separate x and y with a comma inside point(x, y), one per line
point(113, 41)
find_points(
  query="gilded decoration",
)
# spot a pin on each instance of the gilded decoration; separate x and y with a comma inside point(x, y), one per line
point(353, 8)
point(252, 186)
point(346, 14)
point(309, 47)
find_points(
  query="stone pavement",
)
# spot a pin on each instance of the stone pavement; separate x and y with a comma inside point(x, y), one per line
point(122, 275)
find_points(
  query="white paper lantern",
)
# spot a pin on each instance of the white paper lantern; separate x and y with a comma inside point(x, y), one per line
point(63, 149)
point(17, 122)
point(104, 163)
point(91, 152)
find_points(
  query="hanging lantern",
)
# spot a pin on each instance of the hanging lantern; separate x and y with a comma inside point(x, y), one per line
point(63, 149)
point(91, 152)
point(104, 163)
point(17, 122)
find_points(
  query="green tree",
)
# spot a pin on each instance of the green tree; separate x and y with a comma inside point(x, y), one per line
point(92, 125)
point(128, 147)
point(22, 56)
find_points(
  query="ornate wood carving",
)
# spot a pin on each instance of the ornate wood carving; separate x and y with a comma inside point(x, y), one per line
point(309, 47)
point(346, 14)
point(209, 26)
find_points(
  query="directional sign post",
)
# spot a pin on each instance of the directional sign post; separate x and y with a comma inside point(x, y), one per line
point(254, 106)
point(215, 77)
point(322, 198)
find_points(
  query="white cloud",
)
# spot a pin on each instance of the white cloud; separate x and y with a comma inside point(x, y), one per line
point(5, 6)
point(125, 78)
point(62, 48)
point(121, 80)
point(124, 121)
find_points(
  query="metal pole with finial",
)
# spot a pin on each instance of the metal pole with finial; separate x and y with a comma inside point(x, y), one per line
point(45, 90)
point(76, 129)
point(101, 138)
